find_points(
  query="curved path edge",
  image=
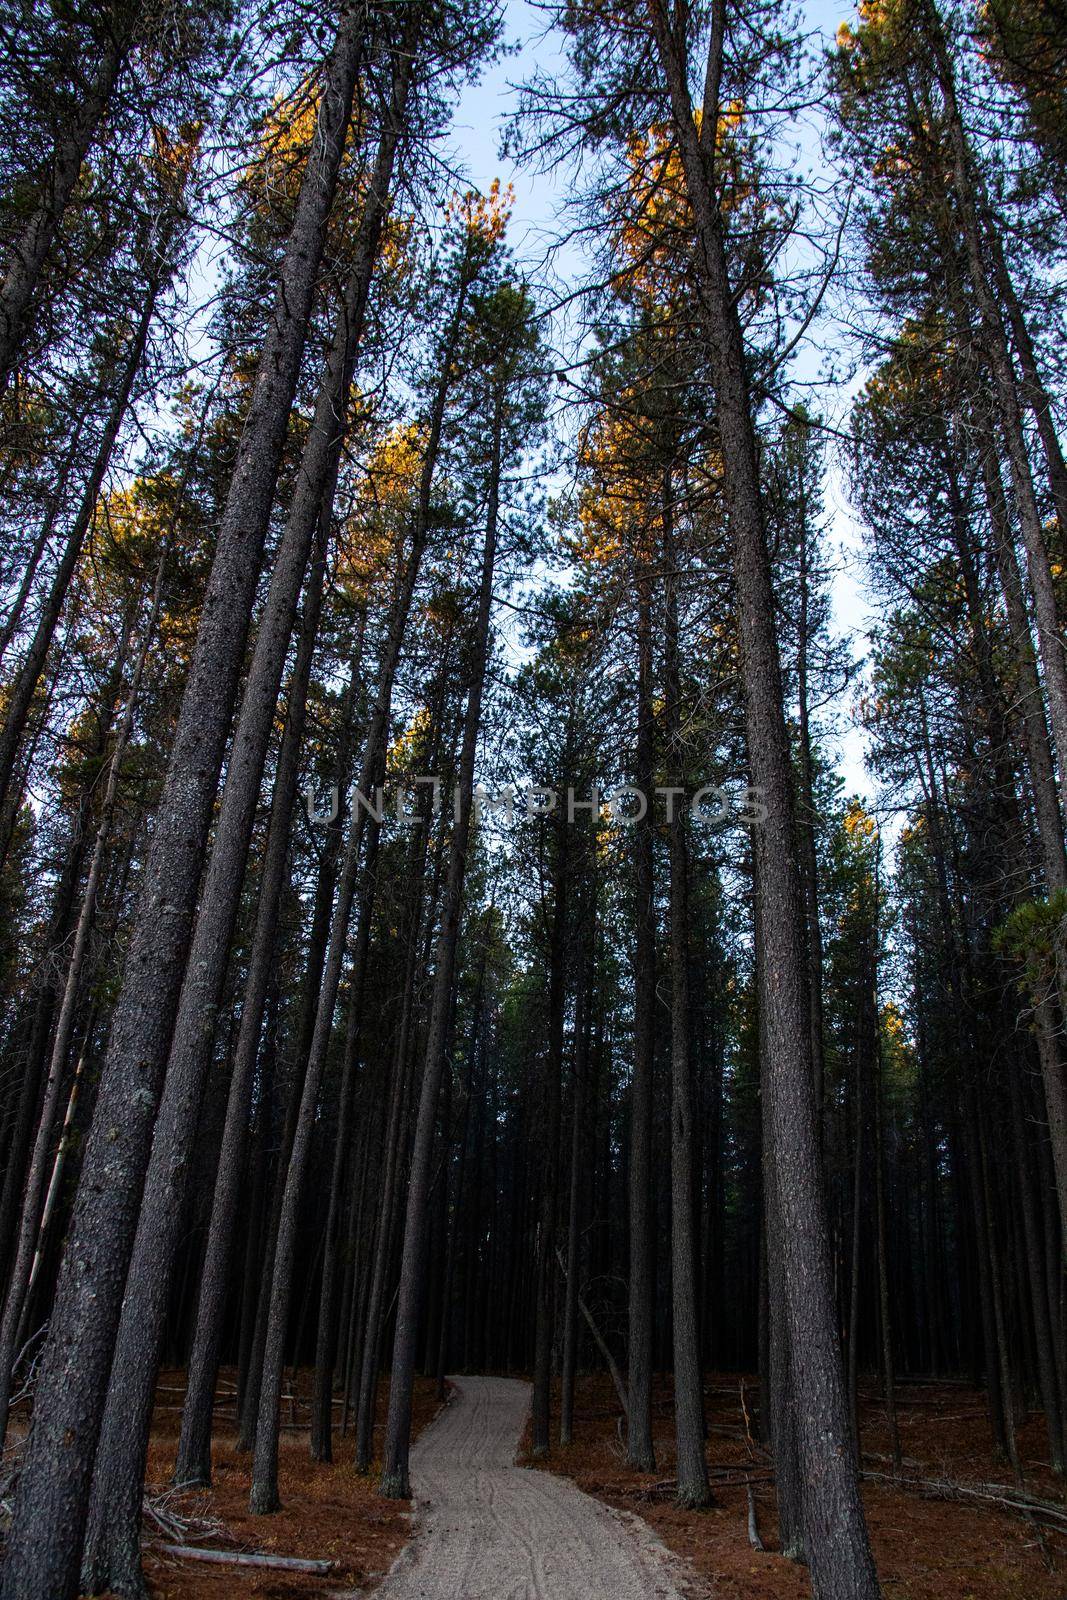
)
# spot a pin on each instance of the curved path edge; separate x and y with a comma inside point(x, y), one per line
point(486, 1529)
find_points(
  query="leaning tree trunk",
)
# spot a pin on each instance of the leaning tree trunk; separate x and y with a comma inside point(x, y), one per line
point(997, 352)
point(193, 1465)
point(326, 1340)
point(30, 1224)
point(394, 1480)
point(838, 1545)
point(32, 248)
point(28, 676)
point(44, 1547)
point(251, 1366)
point(1037, 395)
point(264, 1494)
point(112, 1551)
point(1046, 804)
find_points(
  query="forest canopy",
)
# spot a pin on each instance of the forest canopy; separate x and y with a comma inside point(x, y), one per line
point(532, 769)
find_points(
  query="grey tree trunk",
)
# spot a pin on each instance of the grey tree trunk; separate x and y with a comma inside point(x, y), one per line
point(582, 1023)
point(326, 1340)
point(32, 248)
point(545, 1267)
point(44, 1548)
point(807, 820)
point(394, 1481)
point(837, 1541)
point(112, 1550)
point(639, 1448)
point(30, 670)
point(692, 1488)
point(193, 1465)
point(997, 352)
point(264, 1495)
point(31, 1219)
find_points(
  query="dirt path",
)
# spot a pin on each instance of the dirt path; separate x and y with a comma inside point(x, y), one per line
point(489, 1530)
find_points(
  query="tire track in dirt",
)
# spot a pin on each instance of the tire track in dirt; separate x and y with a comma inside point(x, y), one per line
point(489, 1530)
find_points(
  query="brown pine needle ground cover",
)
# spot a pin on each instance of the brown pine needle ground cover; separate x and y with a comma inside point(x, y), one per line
point(329, 1512)
point(926, 1548)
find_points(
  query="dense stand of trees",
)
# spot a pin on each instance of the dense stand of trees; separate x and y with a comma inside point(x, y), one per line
point(435, 934)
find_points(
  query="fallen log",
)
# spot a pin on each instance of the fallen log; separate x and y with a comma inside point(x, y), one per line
point(1002, 1496)
point(240, 1558)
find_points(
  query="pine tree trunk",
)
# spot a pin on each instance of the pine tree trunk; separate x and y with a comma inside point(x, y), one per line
point(326, 1342)
point(1037, 396)
point(30, 1225)
point(859, 1113)
point(836, 1532)
point(44, 1548)
point(31, 250)
point(885, 1305)
point(583, 1011)
point(375, 1309)
point(692, 1471)
point(112, 1553)
point(997, 352)
point(639, 1449)
point(264, 1495)
point(1037, 1283)
point(807, 820)
point(326, 877)
point(28, 676)
point(193, 1465)
point(394, 1482)
point(545, 1266)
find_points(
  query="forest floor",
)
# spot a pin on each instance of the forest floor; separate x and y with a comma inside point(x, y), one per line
point(926, 1548)
point(329, 1512)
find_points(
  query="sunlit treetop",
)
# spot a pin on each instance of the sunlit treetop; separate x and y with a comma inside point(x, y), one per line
point(483, 218)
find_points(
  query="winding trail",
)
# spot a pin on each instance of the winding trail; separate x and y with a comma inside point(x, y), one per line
point(489, 1530)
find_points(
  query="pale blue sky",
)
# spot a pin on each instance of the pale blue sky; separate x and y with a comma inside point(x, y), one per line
point(480, 116)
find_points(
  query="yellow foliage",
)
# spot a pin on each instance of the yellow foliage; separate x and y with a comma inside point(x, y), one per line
point(411, 742)
point(484, 216)
point(859, 824)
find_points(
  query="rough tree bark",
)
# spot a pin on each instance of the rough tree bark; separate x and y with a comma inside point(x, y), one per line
point(31, 1218)
point(112, 1550)
point(44, 1547)
point(193, 1465)
point(836, 1531)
